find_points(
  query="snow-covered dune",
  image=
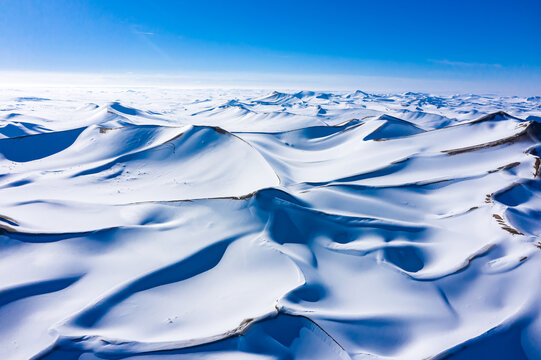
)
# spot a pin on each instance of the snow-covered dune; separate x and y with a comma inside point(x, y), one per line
point(175, 224)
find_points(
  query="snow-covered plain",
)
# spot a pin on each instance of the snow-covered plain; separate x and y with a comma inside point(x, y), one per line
point(159, 224)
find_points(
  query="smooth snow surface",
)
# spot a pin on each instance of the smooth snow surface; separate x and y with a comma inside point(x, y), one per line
point(172, 224)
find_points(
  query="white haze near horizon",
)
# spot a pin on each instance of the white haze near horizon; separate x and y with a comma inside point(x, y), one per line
point(270, 81)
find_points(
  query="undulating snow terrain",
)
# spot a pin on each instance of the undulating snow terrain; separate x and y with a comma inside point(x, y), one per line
point(174, 224)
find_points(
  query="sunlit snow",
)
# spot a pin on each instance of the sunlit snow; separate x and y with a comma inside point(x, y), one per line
point(157, 224)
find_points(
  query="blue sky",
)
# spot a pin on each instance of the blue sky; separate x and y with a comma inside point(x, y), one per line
point(491, 43)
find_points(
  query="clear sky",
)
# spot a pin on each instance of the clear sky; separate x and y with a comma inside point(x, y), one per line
point(487, 44)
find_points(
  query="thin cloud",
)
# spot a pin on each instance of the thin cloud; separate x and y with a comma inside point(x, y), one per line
point(146, 37)
point(142, 32)
point(464, 63)
point(136, 29)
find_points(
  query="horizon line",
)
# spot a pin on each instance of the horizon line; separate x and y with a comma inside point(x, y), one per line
point(262, 81)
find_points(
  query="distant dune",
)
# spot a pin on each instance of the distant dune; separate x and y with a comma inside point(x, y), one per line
point(210, 224)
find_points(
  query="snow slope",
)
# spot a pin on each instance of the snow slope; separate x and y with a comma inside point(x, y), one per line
point(210, 224)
